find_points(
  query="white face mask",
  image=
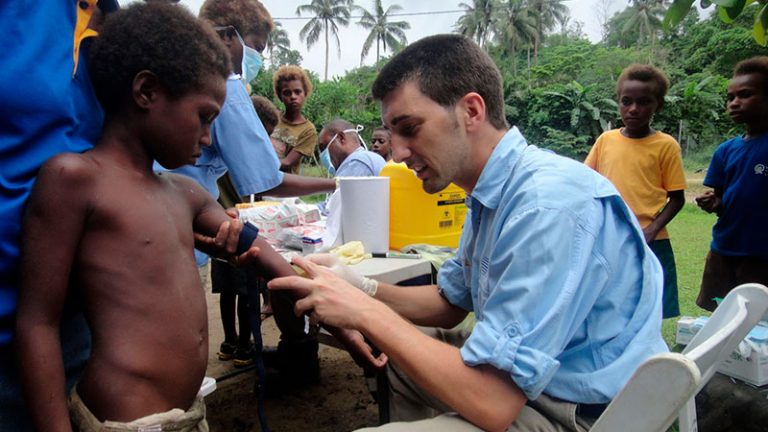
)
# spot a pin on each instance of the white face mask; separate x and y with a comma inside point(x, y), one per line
point(251, 62)
point(325, 155)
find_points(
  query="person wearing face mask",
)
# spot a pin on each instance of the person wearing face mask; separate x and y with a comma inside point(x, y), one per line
point(242, 147)
point(343, 154)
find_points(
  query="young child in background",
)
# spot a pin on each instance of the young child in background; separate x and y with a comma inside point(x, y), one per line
point(738, 173)
point(230, 281)
point(102, 228)
point(381, 143)
point(270, 117)
point(292, 86)
point(646, 166)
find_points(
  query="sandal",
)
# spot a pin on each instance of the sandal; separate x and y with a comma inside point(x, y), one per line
point(226, 351)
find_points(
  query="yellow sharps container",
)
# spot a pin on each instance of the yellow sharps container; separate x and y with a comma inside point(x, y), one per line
point(418, 217)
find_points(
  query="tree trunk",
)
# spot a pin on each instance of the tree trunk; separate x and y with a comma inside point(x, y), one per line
point(326, 52)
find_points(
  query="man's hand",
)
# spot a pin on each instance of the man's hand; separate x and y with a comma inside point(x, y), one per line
point(328, 298)
point(708, 201)
point(334, 264)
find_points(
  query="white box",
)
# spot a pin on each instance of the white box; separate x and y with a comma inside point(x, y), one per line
point(687, 327)
point(749, 362)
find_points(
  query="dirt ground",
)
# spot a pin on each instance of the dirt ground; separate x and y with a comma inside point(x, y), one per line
point(341, 402)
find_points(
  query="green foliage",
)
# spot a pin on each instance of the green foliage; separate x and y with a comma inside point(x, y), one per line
point(728, 11)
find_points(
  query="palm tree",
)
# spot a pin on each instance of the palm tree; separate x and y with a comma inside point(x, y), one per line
point(278, 40)
point(385, 33)
point(328, 16)
point(645, 16)
point(514, 28)
point(547, 13)
point(477, 22)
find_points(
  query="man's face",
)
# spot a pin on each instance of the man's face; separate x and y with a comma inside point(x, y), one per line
point(331, 139)
point(746, 99)
point(426, 136)
point(292, 95)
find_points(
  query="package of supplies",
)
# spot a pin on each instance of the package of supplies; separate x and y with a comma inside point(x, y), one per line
point(293, 237)
point(687, 327)
point(749, 362)
point(272, 217)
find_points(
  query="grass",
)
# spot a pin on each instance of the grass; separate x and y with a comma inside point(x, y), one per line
point(690, 232)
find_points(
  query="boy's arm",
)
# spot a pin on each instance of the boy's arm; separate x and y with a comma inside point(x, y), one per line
point(53, 224)
point(290, 160)
point(674, 204)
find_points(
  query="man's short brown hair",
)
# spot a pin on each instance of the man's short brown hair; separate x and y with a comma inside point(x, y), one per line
point(445, 68)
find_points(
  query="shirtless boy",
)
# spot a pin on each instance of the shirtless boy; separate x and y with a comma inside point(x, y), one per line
point(101, 228)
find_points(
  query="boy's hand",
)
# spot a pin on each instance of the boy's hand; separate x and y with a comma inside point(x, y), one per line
point(708, 201)
point(224, 245)
point(359, 350)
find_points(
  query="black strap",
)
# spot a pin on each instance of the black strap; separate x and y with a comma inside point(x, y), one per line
point(590, 410)
point(253, 285)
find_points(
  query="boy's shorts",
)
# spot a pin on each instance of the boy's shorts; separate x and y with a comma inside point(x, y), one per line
point(724, 273)
point(226, 278)
point(663, 251)
point(193, 420)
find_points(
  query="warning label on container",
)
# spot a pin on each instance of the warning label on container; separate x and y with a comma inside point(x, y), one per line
point(452, 209)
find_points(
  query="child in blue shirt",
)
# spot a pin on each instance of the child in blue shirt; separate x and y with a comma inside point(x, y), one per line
point(738, 175)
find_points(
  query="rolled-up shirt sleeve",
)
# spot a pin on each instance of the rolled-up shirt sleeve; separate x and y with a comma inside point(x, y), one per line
point(526, 293)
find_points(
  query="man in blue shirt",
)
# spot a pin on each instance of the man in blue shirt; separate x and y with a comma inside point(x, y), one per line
point(346, 153)
point(566, 293)
point(48, 108)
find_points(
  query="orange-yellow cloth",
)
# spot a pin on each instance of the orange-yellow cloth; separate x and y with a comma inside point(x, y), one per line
point(644, 170)
point(85, 10)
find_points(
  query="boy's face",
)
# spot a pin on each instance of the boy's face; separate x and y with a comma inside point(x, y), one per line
point(637, 103)
point(380, 143)
point(180, 127)
point(746, 99)
point(292, 95)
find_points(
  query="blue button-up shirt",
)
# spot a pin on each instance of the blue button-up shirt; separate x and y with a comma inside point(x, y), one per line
point(566, 293)
point(361, 163)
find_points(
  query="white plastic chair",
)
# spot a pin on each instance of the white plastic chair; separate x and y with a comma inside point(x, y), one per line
point(665, 383)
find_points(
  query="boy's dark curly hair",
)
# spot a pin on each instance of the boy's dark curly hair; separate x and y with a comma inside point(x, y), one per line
point(165, 39)
point(289, 73)
point(246, 16)
point(267, 112)
point(645, 73)
point(754, 65)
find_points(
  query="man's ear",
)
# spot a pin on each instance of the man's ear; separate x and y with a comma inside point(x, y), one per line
point(145, 89)
point(472, 107)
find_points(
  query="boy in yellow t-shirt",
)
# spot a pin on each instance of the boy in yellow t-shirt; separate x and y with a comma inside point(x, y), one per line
point(292, 86)
point(646, 167)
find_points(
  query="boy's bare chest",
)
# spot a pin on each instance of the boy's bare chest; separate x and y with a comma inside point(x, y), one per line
point(141, 213)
